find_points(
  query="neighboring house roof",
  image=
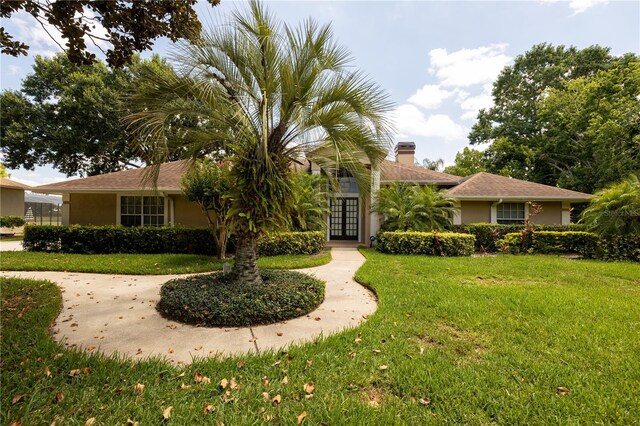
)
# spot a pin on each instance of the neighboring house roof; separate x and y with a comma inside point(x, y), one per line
point(41, 198)
point(391, 171)
point(8, 183)
point(169, 177)
point(483, 185)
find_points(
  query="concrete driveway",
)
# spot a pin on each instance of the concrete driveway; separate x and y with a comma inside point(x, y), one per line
point(117, 314)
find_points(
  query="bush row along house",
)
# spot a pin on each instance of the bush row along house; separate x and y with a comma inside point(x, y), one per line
point(123, 198)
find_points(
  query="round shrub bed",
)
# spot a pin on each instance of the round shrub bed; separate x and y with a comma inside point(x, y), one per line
point(216, 300)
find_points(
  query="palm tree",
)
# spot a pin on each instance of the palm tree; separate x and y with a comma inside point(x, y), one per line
point(310, 204)
point(615, 210)
point(405, 207)
point(264, 92)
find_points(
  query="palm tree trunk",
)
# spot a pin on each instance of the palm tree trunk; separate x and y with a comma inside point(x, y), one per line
point(245, 268)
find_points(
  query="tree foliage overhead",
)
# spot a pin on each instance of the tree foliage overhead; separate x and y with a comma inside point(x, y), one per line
point(468, 162)
point(71, 116)
point(130, 26)
point(266, 92)
point(532, 138)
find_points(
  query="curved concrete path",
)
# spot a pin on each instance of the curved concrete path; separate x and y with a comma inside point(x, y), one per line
point(117, 313)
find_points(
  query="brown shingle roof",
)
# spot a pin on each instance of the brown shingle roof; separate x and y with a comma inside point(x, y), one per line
point(392, 171)
point(169, 178)
point(8, 183)
point(486, 185)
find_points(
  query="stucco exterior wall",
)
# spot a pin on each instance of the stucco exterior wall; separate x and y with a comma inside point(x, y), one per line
point(475, 211)
point(92, 209)
point(188, 213)
point(551, 213)
point(11, 202)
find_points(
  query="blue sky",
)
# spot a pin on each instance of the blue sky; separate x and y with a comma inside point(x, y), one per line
point(437, 60)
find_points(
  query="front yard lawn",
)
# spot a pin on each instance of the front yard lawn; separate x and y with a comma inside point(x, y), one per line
point(506, 340)
point(142, 264)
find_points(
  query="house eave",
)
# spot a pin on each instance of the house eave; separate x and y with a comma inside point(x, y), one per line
point(105, 190)
point(505, 198)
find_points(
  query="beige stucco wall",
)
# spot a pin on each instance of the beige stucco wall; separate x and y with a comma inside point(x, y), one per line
point(187, 213)
point(551, 213)
point(475, 211)
point(366, 220)
point(11, 202)
point(92, 209)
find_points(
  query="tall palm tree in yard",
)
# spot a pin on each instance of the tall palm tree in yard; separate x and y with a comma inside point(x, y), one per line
point(262, 92)
point(405, 207)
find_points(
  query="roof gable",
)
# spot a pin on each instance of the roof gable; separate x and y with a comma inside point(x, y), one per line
point(487, 185)
point(8, 183)
point(392, 171)
point(169, 177)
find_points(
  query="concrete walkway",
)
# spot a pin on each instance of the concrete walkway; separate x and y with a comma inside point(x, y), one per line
point(10, 245)
point(116, 313)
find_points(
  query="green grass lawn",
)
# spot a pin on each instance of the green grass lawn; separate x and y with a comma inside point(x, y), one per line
point(142, 264)
point(477, 340)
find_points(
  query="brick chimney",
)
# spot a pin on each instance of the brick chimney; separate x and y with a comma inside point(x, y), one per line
point(405, 152)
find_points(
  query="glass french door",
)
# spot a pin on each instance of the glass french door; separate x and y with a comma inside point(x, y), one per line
point(343, 220)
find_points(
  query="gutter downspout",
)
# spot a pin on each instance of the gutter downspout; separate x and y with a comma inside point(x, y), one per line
point(494, 211)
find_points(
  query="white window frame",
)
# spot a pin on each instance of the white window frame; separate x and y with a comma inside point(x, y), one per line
point(165, 199)
point(512, 221)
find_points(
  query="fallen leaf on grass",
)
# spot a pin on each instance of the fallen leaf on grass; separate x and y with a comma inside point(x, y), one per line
point(224, 383)
point(285, 380)
point(265, 381)
point(276, 400)
point(139, 388)
point(90, 421)
point(132, 422)
point(384, 367)
point(561, 390)
point(207, 408)
point(241, 363)
point(167, 413)
point(18, 398)
point(86, 370)
point(424, 401)
point(184, 387)
point(309, 388)
point(233, 384)
point(47, 372)
point(74, 372)
point(16, 424)
point(265, 396)
point(301, 417)
point(59, 397)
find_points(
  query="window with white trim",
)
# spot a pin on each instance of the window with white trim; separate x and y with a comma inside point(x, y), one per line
point(141, 211)
point(510, 213)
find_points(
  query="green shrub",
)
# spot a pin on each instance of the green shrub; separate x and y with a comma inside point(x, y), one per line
point(618, 247)
point(11, 221)
point(118, 239)
point(588, 244)
point(292, 243)
point(488, 234)
point(429, 243)
point(217, 300)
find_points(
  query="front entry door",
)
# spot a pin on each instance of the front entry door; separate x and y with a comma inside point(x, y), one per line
point(343, 220)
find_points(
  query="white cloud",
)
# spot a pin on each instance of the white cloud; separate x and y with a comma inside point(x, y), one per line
point(430, 96)
point(579, 6)
point(46, 40)
point(410, 121)
point(471, 105)
point(468, 67)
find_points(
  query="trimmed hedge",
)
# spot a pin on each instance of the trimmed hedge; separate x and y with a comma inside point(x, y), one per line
point(429, 243)
point(292, 243)
point(546, 242)
point(618, 247)
point(11, 221)
point(118, 239)
point(488, 234)
point(216, 300)
point(151, 240)
point(588, 244)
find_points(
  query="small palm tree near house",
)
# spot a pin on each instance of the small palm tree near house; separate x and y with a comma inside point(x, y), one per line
point(310, 204)
point(262, 92)
point(405, 207)
point(615, 210)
